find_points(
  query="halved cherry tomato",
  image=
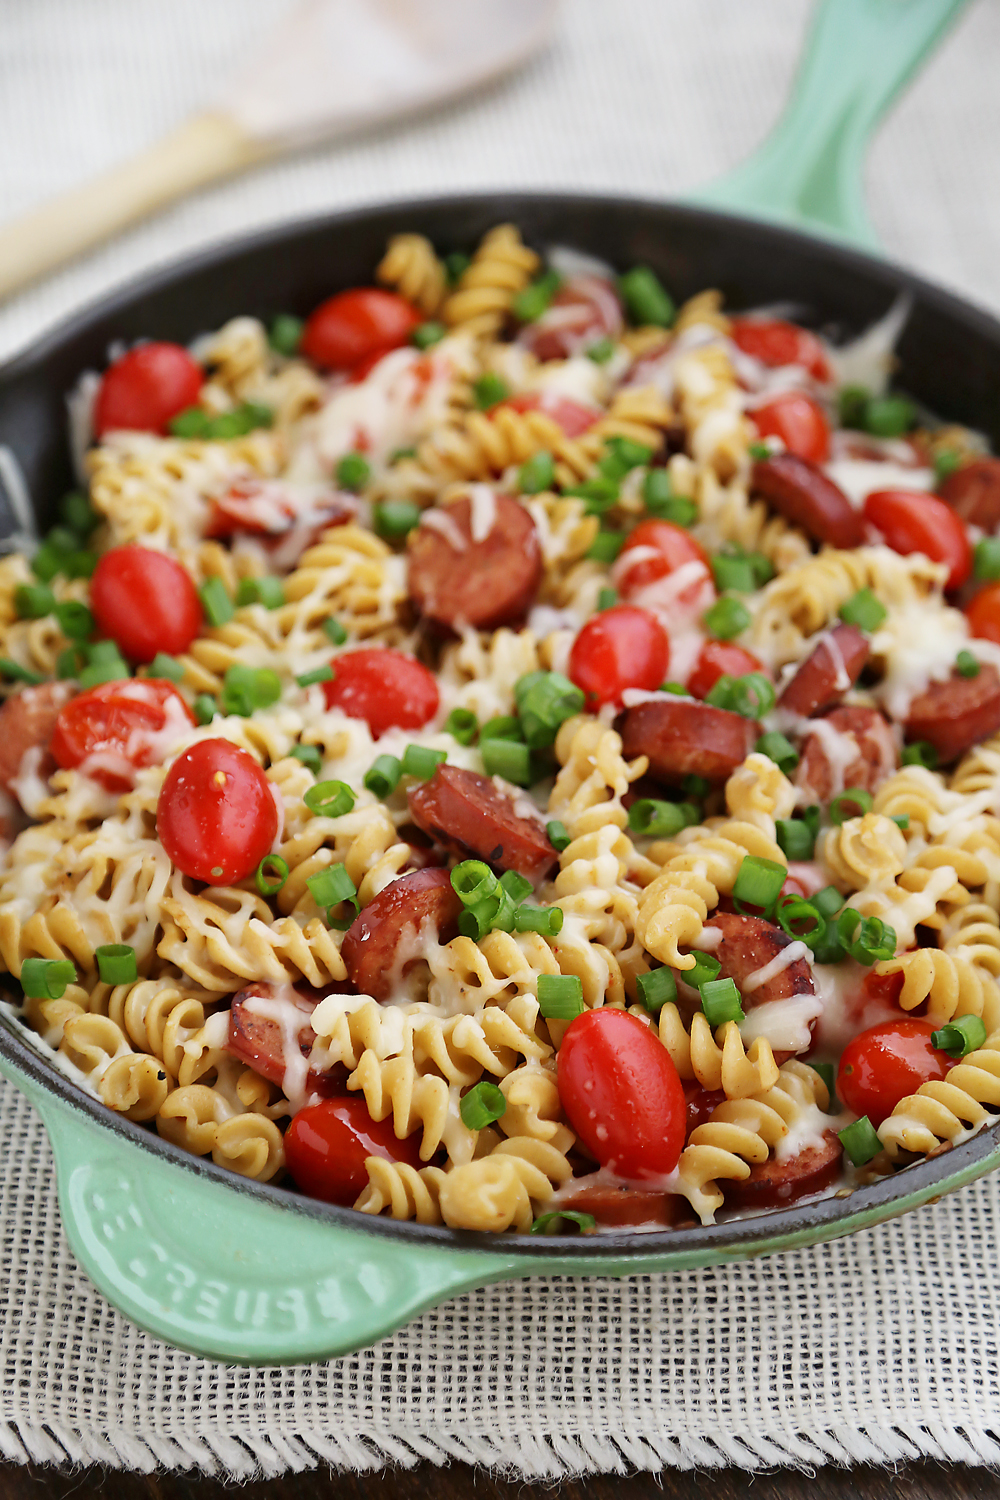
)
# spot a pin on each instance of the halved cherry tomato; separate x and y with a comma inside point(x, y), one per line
point(799, 421)
point(913, 521)
point(145, 601)
point(116, 728)
point(721, 659)
point(572, 416)
point(983, 613)
point(326, 1146)
point(584, 310)
point(145, 388)
point(666, 548)
point(885, 1064)
point(621, 1094)
point(355, 325)
point(216, 816)
point(619, 648)
point(386, 688)
point(775, 343)
point(883, 986)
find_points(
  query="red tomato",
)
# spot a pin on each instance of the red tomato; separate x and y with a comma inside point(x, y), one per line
point(799, 421)
point(883, 986)
point(384, 687)
point(216, 816)
point(721, 659)
point(913, 521)
point(620, 648)
point(583, 311)
point(775, 342)
point(983, 613)
point(355, 325)
point(673, 548)
point(326, 1145)
point(118, 726)
point(145, 388)
point(572, 416)
point(621, 1093)
point(885, 1064)
point(145, 601)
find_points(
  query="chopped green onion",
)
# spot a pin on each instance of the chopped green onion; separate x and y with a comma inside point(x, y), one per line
point(70, 663)
point(269, 885)
point(309, 756)
point(245, 689)
point(116, 963)
point(734, 573)
point(752, 695)
point(108, 670)
point(560, 996)
point(759, 452)
point(622, 455)
point(602, 351)
point(868, 939)
point(47, 978)
point(75, 620)
point(267, 591)
point(530, 303)
point(828, 901)
point(852, 401)
point(986, 560)
point(382, 777)
point(231, 424)
point(489, 390)
point(536, 474)
point(286, 334)
point(329, 888)
point(426, 335)
point(216, 602)
point(863, 610)
point(660, 500)
point(796, 839)
point(557, 835)
point(515, 884)
point(793, 910)
point(720, 694)
point(547, 920)
point(606, 546)
point(697, 787)
point(422, 762)
point(507, 758)
point(966, 665)
point(476, 921)
point(456, 264)
point(76, 511)
point(318, 674)
point(167, 667)
point(395, 519)
point(827, 1073)
point(706, 967)
point(327, 799)
point(726, 619)
point(920, 753)
point(99, 652)
point(962, 1035)
point(660, 820)
point(852, 803)
point(545, 700)
point(945, 463)
point(889, 416)
point(481, 1105)
point(758, 883)
point(192, 422)
point(762, 568)
point(676, 688)
point(206, 708)
point(779, 749)
point(600, 493)
point(584, 1222)
point(720, 1000)
point(473, 881)
point(462, 725)
point(646, 299)
point(860, 1141)
point(607, 598)
point(353, 472)
point(502, 727)
point(334, 631)
point(33, 601)
point(901, 820)
point(656, 988)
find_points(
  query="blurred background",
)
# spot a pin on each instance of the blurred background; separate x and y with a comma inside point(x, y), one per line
point(652, 97)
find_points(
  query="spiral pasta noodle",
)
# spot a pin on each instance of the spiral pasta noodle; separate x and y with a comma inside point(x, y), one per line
point(501, 267)
point(412, 269)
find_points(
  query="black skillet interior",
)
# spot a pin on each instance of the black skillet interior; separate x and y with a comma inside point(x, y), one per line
point(949, 359)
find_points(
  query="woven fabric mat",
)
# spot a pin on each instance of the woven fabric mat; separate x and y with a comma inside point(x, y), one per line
point(869, 1349)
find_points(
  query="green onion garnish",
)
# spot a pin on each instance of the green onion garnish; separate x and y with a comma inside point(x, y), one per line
point(600, 493)
point(70, 663)
point(656, 988)
point(852, 803)
point(271, 874)
point(986, 560)
point(462, 725)
point(966, 665)
point(216, 602)
point(759, 452)
point(734, 573)
point(860, 1141)
point(792, 911)
point(502, 727)
point(752, 695)
point(606, 546)
point(560, 996)
point(456, 264)
point(395, 519)
point(327, 799)
point(601, 352)
point(828, 901)
point(309, 756)
point(863, 610)
point(507, 758)
point(473, 881)
point(421, 762)
point(426, 335)
point(382, 776)
point(334, 631)
point(851, 403)
point(826, 1072)
point(720, 1000)
point(545, 700)
point(889, 416)
point(75, 620)
point(116, 963)
point(353, 472)
point(796, 839)
point(318, 674)
point(901, 820)
point(489, 390)
point(33, 601)
point(206, 708)
point(481, 1105)
point(706, 967)
point(557, 835)
point(661, 820)
point(726, 618)
point(945, 463)
point(245, 689)
point(285, 335)
point(76, 511)
point(584, 1222)
point(646, 299)
point(166, 667)
point(676, 688)
point(107, 669)
point(696, 787)
point(192, 422)
point(547, 920)
point(530, 303)
point(47, 978)
point(515, 884)
point(920, 753)
point(622, 455)
point(331, 886)
point(758, 883)
point(867, 939)
point(536, 474)
point(607, 598)
point(962, 1035)
point(779, 749)
point(268, 591)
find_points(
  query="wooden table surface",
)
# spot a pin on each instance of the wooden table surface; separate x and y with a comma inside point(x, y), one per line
point(919, 1481)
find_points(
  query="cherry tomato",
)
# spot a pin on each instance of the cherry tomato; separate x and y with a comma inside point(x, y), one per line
point(145, 601)
point(621, 1093)
point(665, 549)
point(885, 1064)
point(386, 688)
point(775, 343)
point(799, 421)
point(583, 311)
point(983, 613)
point(572, 416)
point(913, 521)
point(145, 388)
point(883, 986)
point(721, 659)
point(326, 1146)
point(619, 648)
point(118, 727)
point(216, 816)
point(355, 325)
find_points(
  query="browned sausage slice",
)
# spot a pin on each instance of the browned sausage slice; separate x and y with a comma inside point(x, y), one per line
point(476, 562)
point(774, 1183)
point(957, 714)
point(833, 666)
point(619, 1207)
point(973, 492)
point(382, 943)
point(683, 739)
point(467, 813)
point(804, 495)
point(749, 944)
point(259, 1040)
point(701, 1104)
point(826, 769)
point(27, 719)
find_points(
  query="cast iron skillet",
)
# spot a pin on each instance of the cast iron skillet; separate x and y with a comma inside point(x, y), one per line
point(254, 1273)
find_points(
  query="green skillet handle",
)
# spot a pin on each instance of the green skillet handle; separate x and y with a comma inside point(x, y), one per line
point(213, 1270)
point(809, 172)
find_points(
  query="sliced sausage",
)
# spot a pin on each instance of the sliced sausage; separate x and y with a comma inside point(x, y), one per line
point(383, 942)
point(973, 492)
point(27, 719)
point(804, 495)
point(620, 1207)
point(774, 1183)
point(467, 813)
point(260, 1041)
point(749, 944)
point(828, 672)
point(701, 1104)
point(848, 747)
point(683, 739)
point(476, 562)
point(957, 714)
